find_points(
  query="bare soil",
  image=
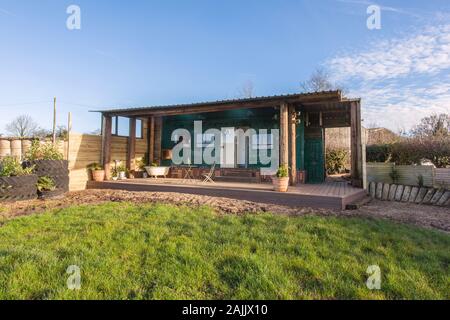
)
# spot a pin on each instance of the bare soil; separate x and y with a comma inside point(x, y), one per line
point(424, 216)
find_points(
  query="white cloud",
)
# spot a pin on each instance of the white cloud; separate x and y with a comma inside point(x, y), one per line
point(400, 80)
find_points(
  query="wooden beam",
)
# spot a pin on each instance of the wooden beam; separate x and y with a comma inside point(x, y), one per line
point(216, 107)
point(151, 146)
point(293, 145)
point(106, 146)
point(284, 135)
point(131, 154)
point(356, 144)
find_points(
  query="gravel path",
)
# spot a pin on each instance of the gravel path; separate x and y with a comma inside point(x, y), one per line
point(424, 216)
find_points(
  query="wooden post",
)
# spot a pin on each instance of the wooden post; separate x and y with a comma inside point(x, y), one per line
point(151, 143)
point(69, 130)
point(293, 145)
point(356, 144)
point(54, 121)
point(284, 139)
point(131, 154)
point(106, 145)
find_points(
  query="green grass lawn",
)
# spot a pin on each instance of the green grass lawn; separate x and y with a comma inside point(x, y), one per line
point(128, 251)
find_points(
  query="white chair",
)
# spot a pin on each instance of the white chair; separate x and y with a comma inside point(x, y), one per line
point(208, 177)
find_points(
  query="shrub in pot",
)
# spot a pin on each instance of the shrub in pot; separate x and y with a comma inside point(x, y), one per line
point(121, 172)
point(47, 161)
point(97, 171)
point(16, 182)
point(281, 179)
point(46, 188)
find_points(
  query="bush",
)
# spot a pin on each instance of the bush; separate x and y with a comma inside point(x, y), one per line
point(11, 167)
point(379, 153)
point(412, 151)
point(43, 151)
point(46, 183)
point(336, 160)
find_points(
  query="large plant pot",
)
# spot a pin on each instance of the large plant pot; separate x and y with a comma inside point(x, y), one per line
point(280, 184)
point(18, 188)
point(157, 171)
point(98, 175)
point(58, 170)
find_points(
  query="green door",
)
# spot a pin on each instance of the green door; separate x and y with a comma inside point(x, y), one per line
point(314, 164)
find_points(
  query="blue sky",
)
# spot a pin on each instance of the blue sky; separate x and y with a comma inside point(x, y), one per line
point(136, 53)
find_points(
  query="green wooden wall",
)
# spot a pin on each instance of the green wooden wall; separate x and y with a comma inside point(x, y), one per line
point(266, 118)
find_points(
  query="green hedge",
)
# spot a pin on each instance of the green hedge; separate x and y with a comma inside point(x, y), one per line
point(412, 151)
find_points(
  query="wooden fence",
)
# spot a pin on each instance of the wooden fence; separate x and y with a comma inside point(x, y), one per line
point(408, 175)
point(84, 149)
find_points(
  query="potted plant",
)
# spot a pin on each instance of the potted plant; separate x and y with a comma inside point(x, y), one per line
point(114, 174)
point(98, 174)
point(46, 187)
point(47, 160)
point(155, 170)
point(121, 172)
point(281, 179)
point(140, 168)
point(16, 182)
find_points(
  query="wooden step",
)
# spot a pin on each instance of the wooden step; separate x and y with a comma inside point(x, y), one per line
point(236, 179)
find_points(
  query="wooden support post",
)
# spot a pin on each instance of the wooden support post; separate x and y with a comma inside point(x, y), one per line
point(284, 135)
point(131, 154)
point(69, 131)
point(293, 145)
point(356, 144)
point(151, 143)
point(54, 122)
point(106, 145)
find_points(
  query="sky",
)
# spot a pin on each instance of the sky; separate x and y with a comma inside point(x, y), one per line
point(139, 53)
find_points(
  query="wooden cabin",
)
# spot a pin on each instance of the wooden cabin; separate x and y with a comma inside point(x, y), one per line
point(146, 132)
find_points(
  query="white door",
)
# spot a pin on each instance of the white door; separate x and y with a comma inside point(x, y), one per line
point(227, 158)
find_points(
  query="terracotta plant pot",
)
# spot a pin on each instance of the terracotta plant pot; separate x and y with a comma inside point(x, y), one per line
point(98, 175)
point(280, 184)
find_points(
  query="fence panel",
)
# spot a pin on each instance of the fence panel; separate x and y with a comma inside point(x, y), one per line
point(379, 172)
point(442, 177)
point(410, 175)
point(407, 175)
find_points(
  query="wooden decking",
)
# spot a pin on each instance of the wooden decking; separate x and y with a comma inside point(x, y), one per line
point(331, 195)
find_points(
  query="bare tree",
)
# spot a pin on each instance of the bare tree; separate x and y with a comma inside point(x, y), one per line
point(433, 126)
point(247, 90)
point(320, 80)
point(22, 126)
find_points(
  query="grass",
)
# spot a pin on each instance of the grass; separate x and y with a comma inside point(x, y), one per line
point(128, 251)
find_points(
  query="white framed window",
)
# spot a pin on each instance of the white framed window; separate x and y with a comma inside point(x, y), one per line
point(262, 141)
point(204, 140)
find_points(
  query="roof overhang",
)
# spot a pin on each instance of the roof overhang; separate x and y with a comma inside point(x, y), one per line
point(329, 100)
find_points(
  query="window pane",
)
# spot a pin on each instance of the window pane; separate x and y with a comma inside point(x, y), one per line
point(113, 126)
point(139, 129)
point(123, 127)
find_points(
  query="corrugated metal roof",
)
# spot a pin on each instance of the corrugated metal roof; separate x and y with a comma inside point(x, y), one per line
point(222, 102)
